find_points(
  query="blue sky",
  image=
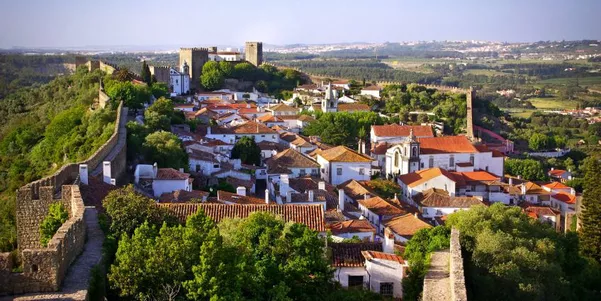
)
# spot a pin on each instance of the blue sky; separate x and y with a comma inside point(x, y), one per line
point(69, 23)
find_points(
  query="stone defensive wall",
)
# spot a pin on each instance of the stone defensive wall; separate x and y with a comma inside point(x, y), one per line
point(445, 280)
point(43, 269)
point(68, 173)
point(458, 290)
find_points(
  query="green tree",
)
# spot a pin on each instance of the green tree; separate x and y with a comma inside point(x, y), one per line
point(145, 73)
point(247, 150)
point(128, 210)
point(422, 118)
point(57, 216)
point(538, 142)
point(159, 115)
point(212, 80)
point(590, 231)
point(159, 90)
point(165, 149)
point(529, 169)
point(226, 68)
point(385, 188)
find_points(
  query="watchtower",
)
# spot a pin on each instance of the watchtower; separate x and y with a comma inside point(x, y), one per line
point(253, 53)
point(195, 58)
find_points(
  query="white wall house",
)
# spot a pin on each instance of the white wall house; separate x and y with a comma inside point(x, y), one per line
point(162, 179)
point(373, 91)
point(422, 180)
point(179, 81)
point(340, 164)
point(386, 273)
point(252, 129)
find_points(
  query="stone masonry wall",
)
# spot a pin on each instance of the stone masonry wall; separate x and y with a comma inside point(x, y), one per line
point(458, 290)
point(44, 268)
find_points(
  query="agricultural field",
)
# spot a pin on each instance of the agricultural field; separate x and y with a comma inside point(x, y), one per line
point(582, 81)
point(553, 103)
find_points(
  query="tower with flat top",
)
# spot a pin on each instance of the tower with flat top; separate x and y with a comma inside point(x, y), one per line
point(253, 53)
point(195, 58)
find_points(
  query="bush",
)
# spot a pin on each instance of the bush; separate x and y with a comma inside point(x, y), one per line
point(57, 215)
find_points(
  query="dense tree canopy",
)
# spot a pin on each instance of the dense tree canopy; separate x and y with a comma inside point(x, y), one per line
point(590, 231)
point(247, 150)
point(528, 169)
point(342, 128)
point(165, 149)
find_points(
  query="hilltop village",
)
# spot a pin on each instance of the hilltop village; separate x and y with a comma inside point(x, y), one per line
point(246, 150)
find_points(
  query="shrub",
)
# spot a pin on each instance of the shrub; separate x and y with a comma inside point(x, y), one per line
point(57, 215)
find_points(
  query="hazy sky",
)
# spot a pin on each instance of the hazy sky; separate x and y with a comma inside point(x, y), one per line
point(66, 23)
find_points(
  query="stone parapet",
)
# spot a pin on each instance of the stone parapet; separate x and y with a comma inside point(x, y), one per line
point(458, 290)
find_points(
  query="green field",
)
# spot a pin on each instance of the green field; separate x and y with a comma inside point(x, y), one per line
point(553, 103)
point(521, 113)
point(582, 81)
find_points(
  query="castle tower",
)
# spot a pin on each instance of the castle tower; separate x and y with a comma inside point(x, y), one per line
point(469, 118)
point(253, 53)
point(195, 58)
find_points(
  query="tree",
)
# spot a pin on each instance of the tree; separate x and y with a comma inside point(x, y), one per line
point(529, 169)
point(385, 188)
point(159, 90)
point(145, 74)
point(590, 231)
point(123, 75)
point(165, 149)
point(57, 216)
point(244, 71)
point(247, 150)
point(422, 118)
point(128, 210)
point(211, 80)
point(159, 115)
point(226, 68)
point(511, 256)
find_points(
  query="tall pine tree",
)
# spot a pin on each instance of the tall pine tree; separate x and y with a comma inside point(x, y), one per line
point(590, 216)
point(146, 76)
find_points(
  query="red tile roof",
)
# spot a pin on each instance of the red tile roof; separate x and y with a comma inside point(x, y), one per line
point(445, 145)
point(182, 196)
point(372, 88)
point(416, 178)
point(282, 107)
point(556, 185)
point(171, 174)
point(379, 206)
point(353, 107)
point(352, 226)
point(370, 255)
point(395, 130)
point(343, 154)
point(289, 158)
point(565, 198)
point(406, 225)
point(224, 196)
point(538, 211)
point(379, 149)
point(310, 215)
point(249, 127)
point(556, 172)
point(349, 254)
point(475, 176)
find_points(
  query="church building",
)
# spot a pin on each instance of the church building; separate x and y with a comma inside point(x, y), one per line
point(179, 81)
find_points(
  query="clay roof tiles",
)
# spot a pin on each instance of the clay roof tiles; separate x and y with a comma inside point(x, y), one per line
point(224, 196)
point(349, 254)
point(406, 225)
point(565, 198)
point(351, 107)
point(171, 174)
point(310, 215)
point(343, 154)
point(369, 255)
point(182, 196)
point(395, 130)
point(352, 226)
point(381, 207)
point(416, 178)
point(439, 198)
point(446, 145)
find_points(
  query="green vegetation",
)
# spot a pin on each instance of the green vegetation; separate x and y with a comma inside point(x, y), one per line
point(510, 256)
point(528, 169)
point(57, 216)
point(342, 128)
point(165, 149)
point(417, 253)
point(20, 71)
point(590, 233)
point(247, 150)
point(385, 188)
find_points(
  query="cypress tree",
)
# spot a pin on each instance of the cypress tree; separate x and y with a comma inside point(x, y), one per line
point(145, 74)
point(590, 216)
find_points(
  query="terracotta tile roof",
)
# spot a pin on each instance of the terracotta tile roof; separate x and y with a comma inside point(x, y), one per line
point(289, 158)
point(282, 107)
point(171, 174)
point(475, 176)
point(356, 189)
point(379, 149)
point(330, 199)
point(565, 198)
point(268, 145)
point(556, 172)
point(340, 82)
point(556, 185)
point(372, 88)
point(202, 156)
point(395, 130)
point(353, 107)
point(248, 184)
point(184, 106)
point(533, 188)
point(379, 206)
point(182, 196)
point(511, 189)
point(224, 196)
point(214, 142)
point(94, 193)
point(306, 118)
point(352, 226)
point(343, 154)
point(416, 178)
point(249, 127)
point(497, 154)
point(370, 255)
point(307, 183)
point(540, 211)
point(349, 254)
point(446, 145)
point(439, 198)
point(269, 118)
point(406, 225)
point(310, 215)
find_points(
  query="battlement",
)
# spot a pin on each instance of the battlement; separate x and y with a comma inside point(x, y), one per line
point(44, 268)
point(195, 49)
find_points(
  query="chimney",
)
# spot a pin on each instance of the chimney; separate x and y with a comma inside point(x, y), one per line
point(321, 185)
point(396, 197)
point(510, 181)
point(340, 200)
point(267, 196)
point(83, 173)
point(106, 172)
point(284, 184)
point(288, 196)
point(366, 196)
point(208, 130)
point(572, 191)
point(362, 146)
point(388, 243)
point(552, 168)
point(155, 170)
point(523, 188)
point(519, 177)
point(415, 214)
point(113, 182)
point(311, 194)
point(241, 190)
point(181, 170)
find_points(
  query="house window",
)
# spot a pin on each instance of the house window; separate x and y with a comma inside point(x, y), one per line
point(215, 165)
point(451, 162)
point(414, 151)
point(314, 171)
point(396, 159)
point(262, 136)
point(431, 162)
point(361, 171)
point(386, 288)
point(355, 281)
point(197, 167)
point(339, 171)
point(422, 165)
point(472, 159)
point(302, 173)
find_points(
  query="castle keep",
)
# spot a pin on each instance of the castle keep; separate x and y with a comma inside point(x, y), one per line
point(195, 58)
point(253, 53)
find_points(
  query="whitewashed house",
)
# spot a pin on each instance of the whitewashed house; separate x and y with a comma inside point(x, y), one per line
point(376, 210)
point(436, 203)
point(252, 129)
point(354, 228)
point(405, 226)
point(340, 164)
point(161, 180)
point(373, 91)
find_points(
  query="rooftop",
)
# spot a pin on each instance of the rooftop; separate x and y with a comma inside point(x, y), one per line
point(416, 178)
point(439, 198)
point(225, 196)
point(282, 107)
point(249, 127)
point(395, 130)
point(406, 225)
point(171, 174)
point(381, 207)
point(565, 198)
point(445, 145)
point(343, 154)
point(182, 196)
point(290, 158)
point(370, 255)
point(349, 254)
point(352, 226)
